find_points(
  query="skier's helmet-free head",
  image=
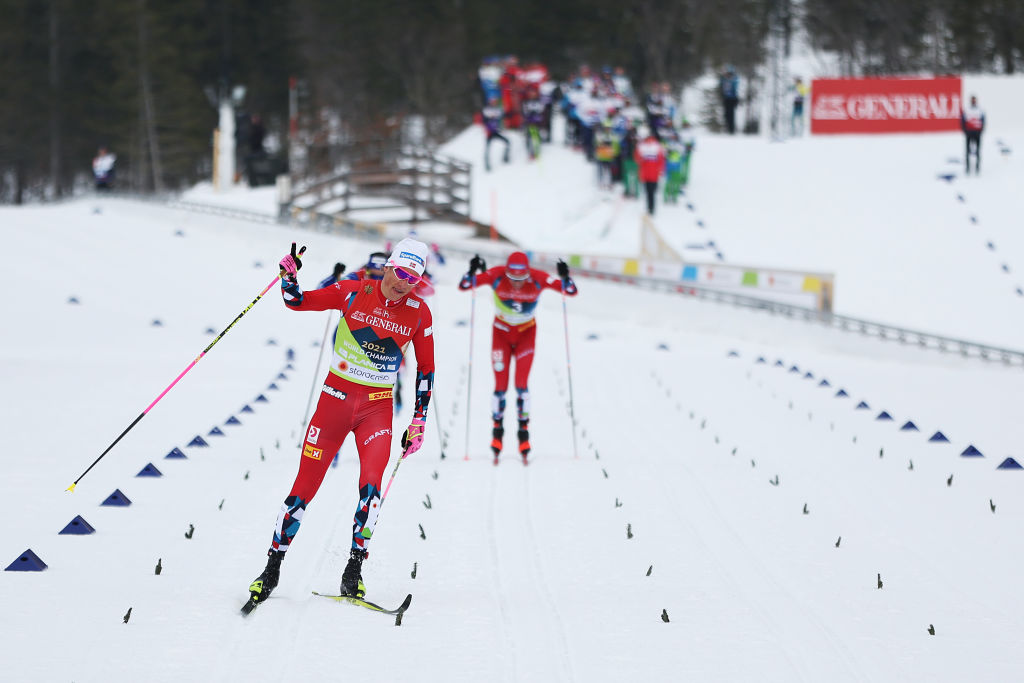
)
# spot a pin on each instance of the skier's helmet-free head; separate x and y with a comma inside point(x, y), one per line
point(518, 266)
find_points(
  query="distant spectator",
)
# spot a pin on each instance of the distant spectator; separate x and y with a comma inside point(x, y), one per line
point(533, 115)
point(673, 171)
point(103, 169)
point(796, 122)
point(550, 92)
point(590, 114)
point(688, 141)
point(650, 157)
point(627, 149)
point(435, 253)
point(606, 148)
point(972, 122)
point(256, 134)
point(729, 88)
point(510, 86)
point(488, 76)
point(622, 84)
point(493, 115)
point(668, 103)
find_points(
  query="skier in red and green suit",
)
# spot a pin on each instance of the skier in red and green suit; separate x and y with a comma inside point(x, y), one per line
point(517, 287)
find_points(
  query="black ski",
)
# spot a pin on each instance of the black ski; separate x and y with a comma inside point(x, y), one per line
point(369, 605)
point(248, 607)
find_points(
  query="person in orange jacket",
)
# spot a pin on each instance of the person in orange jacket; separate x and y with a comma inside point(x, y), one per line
point(650, 158)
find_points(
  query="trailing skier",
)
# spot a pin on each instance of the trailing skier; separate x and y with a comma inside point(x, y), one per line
point(517, 287)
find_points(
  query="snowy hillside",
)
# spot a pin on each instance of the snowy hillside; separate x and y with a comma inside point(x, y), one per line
point(731, 472)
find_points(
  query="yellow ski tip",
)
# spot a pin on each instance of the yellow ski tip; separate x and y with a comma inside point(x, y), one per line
point(70, 489)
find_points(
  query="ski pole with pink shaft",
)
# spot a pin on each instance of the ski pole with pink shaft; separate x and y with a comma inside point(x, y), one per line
point(176, 380)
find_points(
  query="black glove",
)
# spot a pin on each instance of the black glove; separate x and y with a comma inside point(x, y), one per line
point(563, 270)
point(339, 270)
point(476, 264)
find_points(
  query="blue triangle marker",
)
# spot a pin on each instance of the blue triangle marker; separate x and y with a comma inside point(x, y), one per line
point(233, 421)
point(271, 342)
point(210, 330)
point(176, 453)
point(156, 323)
point(281, 375)
point(824, 383)
point(272, 386)
point(909, 426)
point(149, 470)
point(1008, 464)
point(262, 399)
point(216, 431)
point(760, 359)
point(28, 561)
point(247, 409)
point(794, 369)
point(117, 499)
point(972, 452)
point(780, 364)
point(198, 441)
point(884, 416)
point(863, 406)
point(808, 375)
point(78, 527)
point(734, 354)
point(663, 347)
point(841, 393)
point(289, 367)
point(938, 437)
point(73, 300)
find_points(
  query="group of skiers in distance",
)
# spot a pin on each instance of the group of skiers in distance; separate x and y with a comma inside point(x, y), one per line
point(630, 142)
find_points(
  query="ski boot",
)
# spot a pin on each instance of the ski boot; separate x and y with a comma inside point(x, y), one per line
point(264, 584)
point(351, 580)
point(524, 440)
point(497, 434)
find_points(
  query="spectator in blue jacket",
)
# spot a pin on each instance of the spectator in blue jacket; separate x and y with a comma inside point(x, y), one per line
point(729, 87)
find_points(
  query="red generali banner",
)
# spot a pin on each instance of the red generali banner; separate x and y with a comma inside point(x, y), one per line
point(885, 105)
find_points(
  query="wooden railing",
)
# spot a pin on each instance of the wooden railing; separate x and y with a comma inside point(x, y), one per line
point(430, 186)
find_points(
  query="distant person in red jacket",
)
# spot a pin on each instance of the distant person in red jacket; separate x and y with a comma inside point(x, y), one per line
point(650, 158)
point(972, 122)
point(517, 287)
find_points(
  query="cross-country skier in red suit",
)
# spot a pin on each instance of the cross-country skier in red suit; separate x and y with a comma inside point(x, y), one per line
point(379, 319)
point(517, 288)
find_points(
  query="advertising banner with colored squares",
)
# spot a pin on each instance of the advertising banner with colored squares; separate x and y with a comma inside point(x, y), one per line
point(796, 288)
point(885, 105)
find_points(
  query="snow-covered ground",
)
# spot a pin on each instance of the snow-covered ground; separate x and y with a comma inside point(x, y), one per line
point(752, 503)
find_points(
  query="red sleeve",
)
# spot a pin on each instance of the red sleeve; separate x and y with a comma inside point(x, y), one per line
point(549, 281)
point(328, 298)
point(485, 278)
point(489, 276)
point(423, 342)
